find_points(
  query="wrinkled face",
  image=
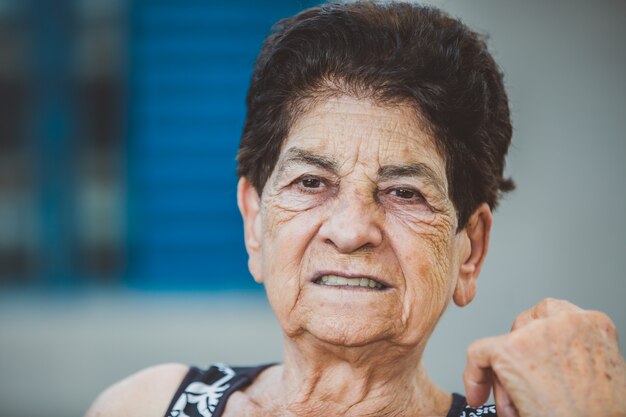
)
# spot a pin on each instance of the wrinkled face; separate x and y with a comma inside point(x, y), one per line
point(357, 237)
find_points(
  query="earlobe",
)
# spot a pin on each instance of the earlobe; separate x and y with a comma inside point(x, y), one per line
point(249, 204)
point(473, 252)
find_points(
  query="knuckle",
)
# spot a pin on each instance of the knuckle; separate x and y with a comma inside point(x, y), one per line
point(550, 300)
point(552, 306)
point(602, 321)
point(511, 345)
point(549, 303)
point(543, 307)
point(514, 340)
point(519, 322)
point(523, 340)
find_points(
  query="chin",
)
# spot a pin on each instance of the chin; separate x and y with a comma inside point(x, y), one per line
point(348, 331)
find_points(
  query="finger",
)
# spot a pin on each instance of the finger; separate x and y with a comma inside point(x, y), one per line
point(478, 386)
point(545, 308)
point(478, 375)
point(504, 404)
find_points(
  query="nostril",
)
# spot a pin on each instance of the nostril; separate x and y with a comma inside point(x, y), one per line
point(352, 226)
point(352, 241)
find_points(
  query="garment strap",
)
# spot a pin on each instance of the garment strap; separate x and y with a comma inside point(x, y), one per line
point(460, 408)
point(243, 377)
point(204, 392)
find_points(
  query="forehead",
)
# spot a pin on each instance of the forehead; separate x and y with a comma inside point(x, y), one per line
point(357, 130)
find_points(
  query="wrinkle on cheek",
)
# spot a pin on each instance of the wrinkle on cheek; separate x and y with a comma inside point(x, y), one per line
point(434, 270)
point(294, 273)
point(296, 301)
point(286, 213)
point(283, 279)
point(438, 233)
point(287, 201)
point(285, 294)
point(277, 212)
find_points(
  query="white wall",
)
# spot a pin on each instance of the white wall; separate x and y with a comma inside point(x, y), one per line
point(562, 233)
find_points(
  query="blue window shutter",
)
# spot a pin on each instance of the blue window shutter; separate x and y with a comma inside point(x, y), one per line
point(190, 66)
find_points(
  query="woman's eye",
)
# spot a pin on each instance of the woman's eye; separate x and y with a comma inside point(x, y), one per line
point(406, 194)
point(311, 182)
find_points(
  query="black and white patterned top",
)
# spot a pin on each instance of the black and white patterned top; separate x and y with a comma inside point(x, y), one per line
point(204, 392)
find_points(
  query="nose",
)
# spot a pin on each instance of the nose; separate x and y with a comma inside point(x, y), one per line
point(353, 223)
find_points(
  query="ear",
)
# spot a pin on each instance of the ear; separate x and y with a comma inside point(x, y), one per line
point(249, 204)
point(475, 242)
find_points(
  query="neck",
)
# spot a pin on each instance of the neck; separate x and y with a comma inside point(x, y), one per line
point(323, 379)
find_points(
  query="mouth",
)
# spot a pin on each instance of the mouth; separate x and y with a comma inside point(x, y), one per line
point(354, 282)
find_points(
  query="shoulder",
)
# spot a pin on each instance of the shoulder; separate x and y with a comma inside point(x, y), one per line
point(146, 393)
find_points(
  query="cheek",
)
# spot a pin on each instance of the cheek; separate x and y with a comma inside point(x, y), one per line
point(286, 237)
point(416, 216)
point(291, 203)
point(427, 270)
point(431, 250)
point(288, 207)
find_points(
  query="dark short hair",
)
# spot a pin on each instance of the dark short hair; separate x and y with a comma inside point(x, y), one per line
point(391, 53)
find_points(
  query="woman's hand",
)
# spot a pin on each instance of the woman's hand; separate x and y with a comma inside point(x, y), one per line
point(558, 360)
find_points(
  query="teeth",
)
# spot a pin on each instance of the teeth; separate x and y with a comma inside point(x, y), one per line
point(334, 280)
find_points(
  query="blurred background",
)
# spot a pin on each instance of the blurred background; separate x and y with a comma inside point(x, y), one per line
point(120, 241)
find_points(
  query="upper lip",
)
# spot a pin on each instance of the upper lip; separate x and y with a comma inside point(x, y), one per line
point(320, 274)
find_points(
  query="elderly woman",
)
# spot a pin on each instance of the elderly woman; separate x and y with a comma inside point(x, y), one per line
point(371, 159)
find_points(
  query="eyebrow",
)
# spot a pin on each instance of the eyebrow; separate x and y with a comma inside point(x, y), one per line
point(386, 172)
point(298, 155)
point(417, 170)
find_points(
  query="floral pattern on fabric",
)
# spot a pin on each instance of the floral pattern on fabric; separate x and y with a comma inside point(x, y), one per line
point(487, 410)
point(206, 389)
point(203, 397)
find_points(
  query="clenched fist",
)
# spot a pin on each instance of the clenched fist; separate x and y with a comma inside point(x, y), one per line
point(558, 360)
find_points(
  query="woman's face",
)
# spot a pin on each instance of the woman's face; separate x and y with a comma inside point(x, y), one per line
point(355, 234)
